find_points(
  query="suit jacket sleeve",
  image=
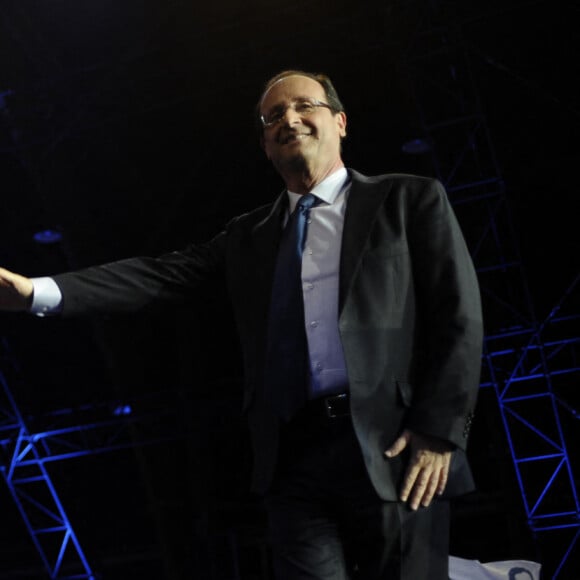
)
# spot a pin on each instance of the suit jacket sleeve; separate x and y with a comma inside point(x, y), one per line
point(137, 283)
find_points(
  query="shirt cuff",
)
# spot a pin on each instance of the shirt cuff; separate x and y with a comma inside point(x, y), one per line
point(46, 298)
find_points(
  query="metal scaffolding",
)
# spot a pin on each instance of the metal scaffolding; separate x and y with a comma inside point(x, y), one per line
point(30, 446)
point(26, 476)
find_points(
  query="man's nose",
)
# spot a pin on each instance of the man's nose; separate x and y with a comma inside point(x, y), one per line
point(291, 117)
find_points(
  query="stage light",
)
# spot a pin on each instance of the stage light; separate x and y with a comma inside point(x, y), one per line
point(47, 237)
point(122, 410)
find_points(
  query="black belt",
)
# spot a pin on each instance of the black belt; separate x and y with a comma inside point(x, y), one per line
point(333, 406)
point(315, 420)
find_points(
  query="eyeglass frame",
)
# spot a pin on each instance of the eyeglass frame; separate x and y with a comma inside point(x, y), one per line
point(305, 101)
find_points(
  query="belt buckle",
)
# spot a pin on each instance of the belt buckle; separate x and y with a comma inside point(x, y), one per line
point(336, 406)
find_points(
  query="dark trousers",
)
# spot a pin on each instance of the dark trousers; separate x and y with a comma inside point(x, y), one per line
point(328, 523)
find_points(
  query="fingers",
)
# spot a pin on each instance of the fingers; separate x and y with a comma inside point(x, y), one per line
point(427, 472)
point(411, 485)
point(444, 475)
point(399, 445)
point(420, 484)
point(15, 290)
point(425, 488)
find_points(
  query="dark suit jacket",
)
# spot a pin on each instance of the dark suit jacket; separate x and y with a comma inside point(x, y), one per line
point(409, 319)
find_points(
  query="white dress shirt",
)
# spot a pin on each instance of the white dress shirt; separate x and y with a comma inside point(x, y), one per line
point(320, 275)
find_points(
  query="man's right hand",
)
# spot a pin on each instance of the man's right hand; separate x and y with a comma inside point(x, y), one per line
point(15, 291)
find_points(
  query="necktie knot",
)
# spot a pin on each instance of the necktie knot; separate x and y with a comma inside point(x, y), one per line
point(306, 202)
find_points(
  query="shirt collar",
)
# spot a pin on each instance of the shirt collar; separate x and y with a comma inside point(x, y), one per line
point(327, 190)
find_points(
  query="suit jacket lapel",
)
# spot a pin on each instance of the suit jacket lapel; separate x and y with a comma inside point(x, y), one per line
point(266, 238)
point(364, 201)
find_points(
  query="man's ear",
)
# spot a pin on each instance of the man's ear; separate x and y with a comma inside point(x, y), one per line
point(341, 118)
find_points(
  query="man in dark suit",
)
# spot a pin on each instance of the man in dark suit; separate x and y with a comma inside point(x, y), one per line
point(351, 454)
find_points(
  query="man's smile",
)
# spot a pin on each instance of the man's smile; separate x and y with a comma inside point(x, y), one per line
point(293, 138)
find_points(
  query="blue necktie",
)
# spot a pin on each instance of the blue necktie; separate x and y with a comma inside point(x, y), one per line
point(287, 359)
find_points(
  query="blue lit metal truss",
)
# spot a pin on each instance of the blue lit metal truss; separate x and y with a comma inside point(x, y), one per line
point(530, 365)
point(27, 451)
point(533, 382)
point(33, 492)
point(28, 448)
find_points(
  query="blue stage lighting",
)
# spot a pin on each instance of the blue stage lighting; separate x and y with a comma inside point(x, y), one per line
point(47, 237)
point(122, 410)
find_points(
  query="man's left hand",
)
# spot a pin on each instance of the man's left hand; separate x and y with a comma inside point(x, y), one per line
point(428, 467)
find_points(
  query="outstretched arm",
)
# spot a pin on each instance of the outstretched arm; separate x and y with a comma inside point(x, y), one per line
point(15, 291)
point(123, 286)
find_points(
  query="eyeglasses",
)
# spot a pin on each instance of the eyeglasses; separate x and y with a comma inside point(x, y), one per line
point(303, 107)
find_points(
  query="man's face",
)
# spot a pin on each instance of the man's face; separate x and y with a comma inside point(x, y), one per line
point(298, 140)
